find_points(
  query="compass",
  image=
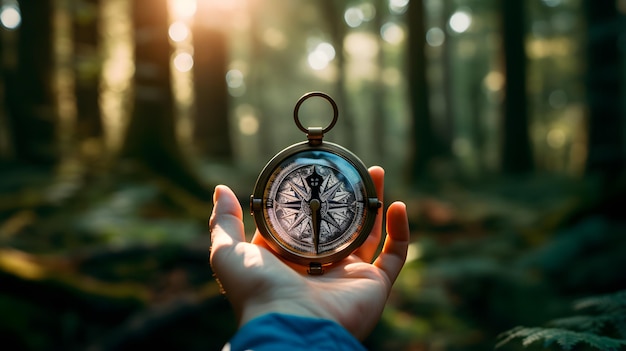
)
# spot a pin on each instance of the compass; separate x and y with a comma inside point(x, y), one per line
point(314, 202)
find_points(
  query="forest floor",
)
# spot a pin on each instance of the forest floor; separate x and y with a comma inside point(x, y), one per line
point(118, 261)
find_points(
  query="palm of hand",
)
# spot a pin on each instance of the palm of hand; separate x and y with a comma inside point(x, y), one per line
point(352, 292)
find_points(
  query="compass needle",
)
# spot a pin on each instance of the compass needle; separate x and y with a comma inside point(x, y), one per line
point(290, 204)
point(316, 221)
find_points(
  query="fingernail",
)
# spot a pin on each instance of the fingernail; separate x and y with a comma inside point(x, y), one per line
point(215, 194)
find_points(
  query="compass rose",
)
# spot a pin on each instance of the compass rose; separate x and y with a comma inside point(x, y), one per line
point(315, 202)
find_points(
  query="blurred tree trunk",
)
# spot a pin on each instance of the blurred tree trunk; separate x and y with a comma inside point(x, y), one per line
point(379, 89)
point(151, 136)
point(605, 89)
point(211, 134)
point(333, 12)
point(446, 130)
point(8, 62)
point(423, 148)
point(29, 95)
point(516, 146)
point(255, 80)
point(87, 69)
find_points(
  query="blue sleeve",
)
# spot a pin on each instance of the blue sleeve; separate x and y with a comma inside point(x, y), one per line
point(286, 332)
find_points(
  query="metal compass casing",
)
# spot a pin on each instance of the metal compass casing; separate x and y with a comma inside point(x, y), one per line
point(314, 202)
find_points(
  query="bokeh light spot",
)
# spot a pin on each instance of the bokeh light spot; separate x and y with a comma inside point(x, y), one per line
point(392, 76)
point(327, 49)
point(392, 33)
point(183, 62)
point(234, 78)
point(248, 124)
point(317, 60)
point(321, 56)
point(10, 17)
point(361, 45)
point(435, 37)
point(558, 99)
point(460, 21)
point(556, 138)
point(275, 38)
point(354, 17)
point(178, 31)
point(398, 6)
point(368, 11)
point(494, 81)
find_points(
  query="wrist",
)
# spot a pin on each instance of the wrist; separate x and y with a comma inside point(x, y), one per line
point(255, 309)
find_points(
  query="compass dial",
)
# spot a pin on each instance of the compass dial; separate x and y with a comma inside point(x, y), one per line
point(314, 205)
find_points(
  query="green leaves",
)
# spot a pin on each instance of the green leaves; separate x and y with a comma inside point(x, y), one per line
point(565, 338)
point(592, 329)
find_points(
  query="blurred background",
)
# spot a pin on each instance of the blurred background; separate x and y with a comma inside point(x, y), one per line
point(500, 123)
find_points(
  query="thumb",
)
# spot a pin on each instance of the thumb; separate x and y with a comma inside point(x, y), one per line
point(225, 224)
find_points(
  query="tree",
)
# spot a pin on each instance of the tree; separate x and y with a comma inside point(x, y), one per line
point(87, 68)
point(211, 124)
point(151, 137)
point(423, 143)
point(29, 97)
point(378, 116)
point(333, 12)
point(605, 89)
point(516, 148)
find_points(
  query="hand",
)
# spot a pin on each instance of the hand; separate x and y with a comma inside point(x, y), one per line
point(351, 292)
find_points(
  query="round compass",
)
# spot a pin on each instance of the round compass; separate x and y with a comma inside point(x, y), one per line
point(314, 202)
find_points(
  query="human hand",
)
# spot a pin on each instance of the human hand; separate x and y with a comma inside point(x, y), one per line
point(352, 292)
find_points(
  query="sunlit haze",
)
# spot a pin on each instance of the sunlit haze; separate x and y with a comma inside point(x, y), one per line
point(184, 8)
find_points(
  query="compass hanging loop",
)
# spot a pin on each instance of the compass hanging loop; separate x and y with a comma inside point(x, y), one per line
point(315, 134)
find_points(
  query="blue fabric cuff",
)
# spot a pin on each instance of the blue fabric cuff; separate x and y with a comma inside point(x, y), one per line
point(286, 332)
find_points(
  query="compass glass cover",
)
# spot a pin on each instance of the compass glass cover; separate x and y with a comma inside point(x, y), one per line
point(315, 203)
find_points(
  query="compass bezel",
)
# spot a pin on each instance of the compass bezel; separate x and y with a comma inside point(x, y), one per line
point(258, 203)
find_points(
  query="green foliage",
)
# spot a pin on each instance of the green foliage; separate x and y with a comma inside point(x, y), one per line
point(604, 303)
point(565, 338)
point(596, 330)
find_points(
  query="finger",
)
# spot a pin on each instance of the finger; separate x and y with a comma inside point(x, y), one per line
point(225, 224)
point(367, 251)
point(393, 254)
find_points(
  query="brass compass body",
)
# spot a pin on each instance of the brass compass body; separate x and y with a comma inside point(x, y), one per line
point(314, 202)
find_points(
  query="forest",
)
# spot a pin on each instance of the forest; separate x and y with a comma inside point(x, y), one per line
point(501, 124)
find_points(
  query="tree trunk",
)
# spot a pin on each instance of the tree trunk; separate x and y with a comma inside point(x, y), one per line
point(8, 62)
point(87, 69)
point(29, 96)
point(211, 134)
point(423, 148)
point(151, 137)
point(516, 147)
point(445, 132)
point(337, 30)
point(605, 89)
point(378, 90)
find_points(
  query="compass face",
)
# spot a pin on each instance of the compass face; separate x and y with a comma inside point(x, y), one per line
point(314, 203)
